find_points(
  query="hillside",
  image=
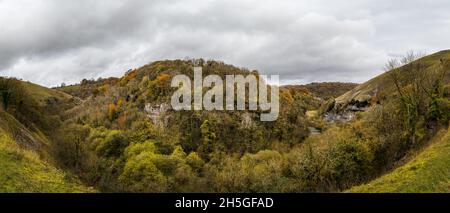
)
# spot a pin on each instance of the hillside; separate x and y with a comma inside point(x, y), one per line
point(383, 86)
point(425, 167)
point(25, 139)
point(428, 171)
point(121, 134)
point(43, 95)
point(23, 169)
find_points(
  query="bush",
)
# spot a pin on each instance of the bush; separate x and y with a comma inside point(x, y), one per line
point(307, 166)
point(335, 160)
point(140, 174)
point(146, 170)
point(113, 145)
point(260, 172)
point(194, 160)
point(350, 163)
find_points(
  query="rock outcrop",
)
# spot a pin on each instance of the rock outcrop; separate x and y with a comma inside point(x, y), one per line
point(343, 109)
point(158, 113)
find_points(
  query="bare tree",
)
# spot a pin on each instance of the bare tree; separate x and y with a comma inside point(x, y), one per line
point(418, 87)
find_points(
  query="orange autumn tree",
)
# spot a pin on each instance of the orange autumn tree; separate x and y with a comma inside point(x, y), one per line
point(112, 112)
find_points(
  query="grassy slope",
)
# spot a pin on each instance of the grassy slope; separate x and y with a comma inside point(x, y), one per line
point(384, 81)
point(41, 94)
point(429, 171)
point(21, 168)
point(23, 171)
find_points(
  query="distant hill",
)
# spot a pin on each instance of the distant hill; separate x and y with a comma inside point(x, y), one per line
point(86, 88)
point(326, 90)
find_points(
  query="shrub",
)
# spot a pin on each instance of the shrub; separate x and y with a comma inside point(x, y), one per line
point(335, 160)
point(350, 163)
point(194, 160)
point(260, 172)
point(113, 145)
point(140, 174)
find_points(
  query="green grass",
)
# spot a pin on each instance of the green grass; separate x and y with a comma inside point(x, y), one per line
point(69, 89)
point(23, 171)
point(429, 171)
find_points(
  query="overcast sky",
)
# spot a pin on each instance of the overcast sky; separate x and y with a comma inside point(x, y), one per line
point(53, 41)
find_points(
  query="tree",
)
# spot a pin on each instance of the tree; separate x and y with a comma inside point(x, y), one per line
point(113, 145)
point(408, 76)
point(195, 161)
point(113, 112)
point(4, 93)
point(12, 93)
point(140, 174)
point(71, 147)
point(208, 137)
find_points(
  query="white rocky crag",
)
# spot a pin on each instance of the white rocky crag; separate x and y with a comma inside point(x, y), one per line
point(246, 121)
point(158, 113)
point(345, 107)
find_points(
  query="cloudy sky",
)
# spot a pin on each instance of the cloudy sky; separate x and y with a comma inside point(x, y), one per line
point(53, 41)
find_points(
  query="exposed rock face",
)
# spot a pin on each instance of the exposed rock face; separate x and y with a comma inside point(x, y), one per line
point(344, 110)
point(359, 104)
point(20, 133)
point(158, 113)
point(345, 116)
point(26, 139)
point(246, 120)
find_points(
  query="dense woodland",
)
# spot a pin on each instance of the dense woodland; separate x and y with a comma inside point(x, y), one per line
point(105, 134)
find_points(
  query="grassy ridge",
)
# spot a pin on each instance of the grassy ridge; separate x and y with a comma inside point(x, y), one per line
point(429, 171)
point(42, 94)
point(384, 82)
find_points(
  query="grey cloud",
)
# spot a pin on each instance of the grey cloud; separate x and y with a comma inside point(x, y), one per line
point(51, 41)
